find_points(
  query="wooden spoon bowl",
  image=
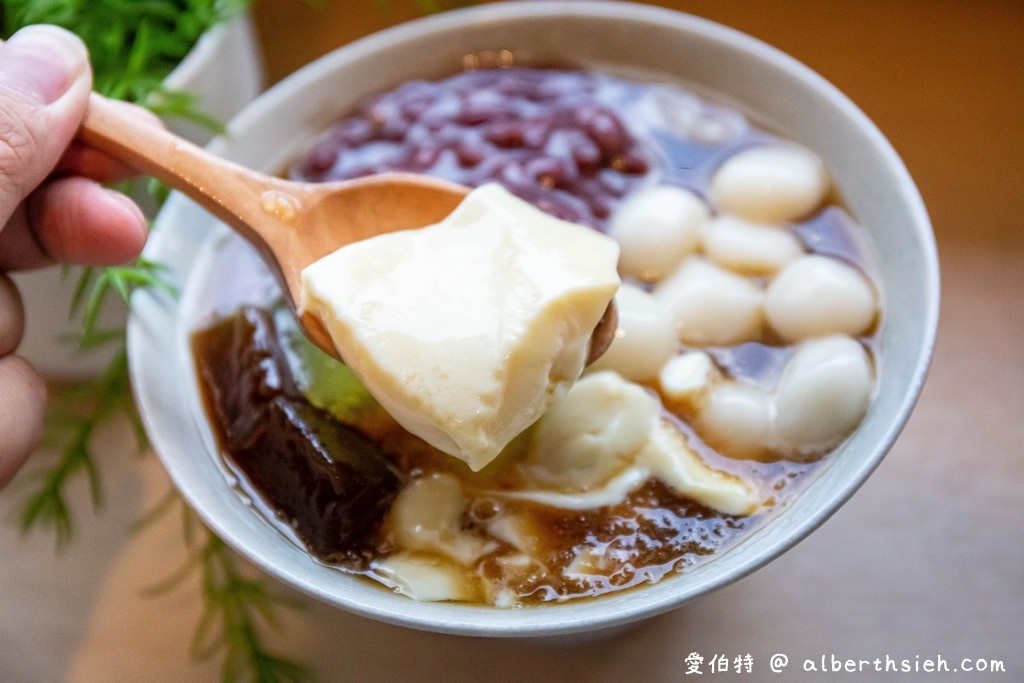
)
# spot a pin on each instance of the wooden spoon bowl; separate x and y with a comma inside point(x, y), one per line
point(290, 224)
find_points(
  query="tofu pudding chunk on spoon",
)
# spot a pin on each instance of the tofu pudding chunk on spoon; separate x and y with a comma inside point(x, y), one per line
point(467, 330)
point(546, 304)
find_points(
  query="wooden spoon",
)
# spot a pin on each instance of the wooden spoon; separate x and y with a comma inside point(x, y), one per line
point(291, 224)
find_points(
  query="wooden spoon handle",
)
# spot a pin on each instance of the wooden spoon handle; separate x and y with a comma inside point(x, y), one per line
point(228, 191)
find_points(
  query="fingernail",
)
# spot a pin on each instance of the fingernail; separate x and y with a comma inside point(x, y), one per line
point(41, 62)
point(126, 203)
point(132, 237)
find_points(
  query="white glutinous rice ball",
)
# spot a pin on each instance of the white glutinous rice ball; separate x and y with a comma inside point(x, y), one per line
point(777, 184)
point(756, 248)
point(712, 306)
point(656, 228)
point(645, 338)
point(823, 394)
point(687, 376)
point(816, 296)
point(737, 418)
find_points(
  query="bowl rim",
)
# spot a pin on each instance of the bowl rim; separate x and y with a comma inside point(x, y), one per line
point(610, 610)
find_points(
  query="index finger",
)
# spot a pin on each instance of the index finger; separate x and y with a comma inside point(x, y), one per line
point(81, 159)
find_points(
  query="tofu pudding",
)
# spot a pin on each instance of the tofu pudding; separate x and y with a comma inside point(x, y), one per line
point(745, 352)
point(467, 330)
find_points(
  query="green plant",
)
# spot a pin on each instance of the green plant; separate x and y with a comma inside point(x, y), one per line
point(236, 603)
point(133, 45)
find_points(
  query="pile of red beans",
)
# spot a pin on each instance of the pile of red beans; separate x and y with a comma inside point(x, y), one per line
point(543, 134)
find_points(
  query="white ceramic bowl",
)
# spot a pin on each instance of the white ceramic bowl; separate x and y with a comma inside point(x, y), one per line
point(774, 89)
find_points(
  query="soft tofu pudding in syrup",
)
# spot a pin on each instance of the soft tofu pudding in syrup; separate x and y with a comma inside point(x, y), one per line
point(467, 330)
point(745, 352)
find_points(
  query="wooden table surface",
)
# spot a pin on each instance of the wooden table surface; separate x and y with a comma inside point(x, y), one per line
point(925, 562)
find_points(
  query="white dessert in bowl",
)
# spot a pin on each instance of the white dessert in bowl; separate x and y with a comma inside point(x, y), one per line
point(671, 39)
point(468, 331)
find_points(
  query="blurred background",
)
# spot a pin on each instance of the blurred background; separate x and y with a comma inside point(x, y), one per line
point(926, 561)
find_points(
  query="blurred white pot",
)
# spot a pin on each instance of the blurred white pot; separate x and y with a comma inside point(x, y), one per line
point(225, 70)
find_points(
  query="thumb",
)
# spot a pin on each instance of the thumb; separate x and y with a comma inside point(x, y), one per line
point(45, 81)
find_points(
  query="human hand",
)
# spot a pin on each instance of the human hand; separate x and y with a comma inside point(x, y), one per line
point(53, 208)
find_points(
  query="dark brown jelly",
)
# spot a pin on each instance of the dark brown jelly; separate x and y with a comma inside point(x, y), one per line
point(325, 480)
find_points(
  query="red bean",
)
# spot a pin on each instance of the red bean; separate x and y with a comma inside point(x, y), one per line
point(630, 164)
point(319, 160)
point(353, 132)
point(413, 109)
point(425, 156)
point(546, 171)
point(603, 127)
point(508, 135)
point(469, 154)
